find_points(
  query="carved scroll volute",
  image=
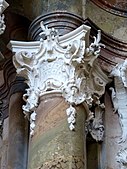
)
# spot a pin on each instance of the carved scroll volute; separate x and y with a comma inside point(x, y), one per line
point(63, 64)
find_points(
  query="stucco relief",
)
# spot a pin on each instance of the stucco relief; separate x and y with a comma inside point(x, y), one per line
point(119, 99)
point(65, 64)
point(119, 96)
point(94, 122)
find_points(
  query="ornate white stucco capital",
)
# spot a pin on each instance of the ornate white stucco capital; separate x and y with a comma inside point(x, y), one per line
point(65, 64)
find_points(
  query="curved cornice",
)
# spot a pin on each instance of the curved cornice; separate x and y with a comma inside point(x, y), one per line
point(64, 22)
point(114, 49)
point(112, 7)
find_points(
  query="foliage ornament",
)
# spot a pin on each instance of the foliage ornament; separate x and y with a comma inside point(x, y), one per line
point(65, 64)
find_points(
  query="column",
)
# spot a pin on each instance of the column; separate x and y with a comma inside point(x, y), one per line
point(18, 130)
point(63, 21)
point(53, 145)
point(62, 74)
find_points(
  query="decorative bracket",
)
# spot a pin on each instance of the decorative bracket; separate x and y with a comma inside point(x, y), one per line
point(66, 64)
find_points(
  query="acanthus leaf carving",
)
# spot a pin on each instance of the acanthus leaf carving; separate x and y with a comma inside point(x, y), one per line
point(94, 122)
point(65, 64)
point(93, 50)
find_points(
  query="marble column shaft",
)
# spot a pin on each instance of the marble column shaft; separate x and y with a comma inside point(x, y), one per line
point(53, 144)
point(18, 134)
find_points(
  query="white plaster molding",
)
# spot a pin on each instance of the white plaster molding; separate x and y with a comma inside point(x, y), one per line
point(71, 113)
point(3, 6)
point(66, 64)
point(119, 96)
point(32, 122)
point(121, 158)
point(94, 123)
